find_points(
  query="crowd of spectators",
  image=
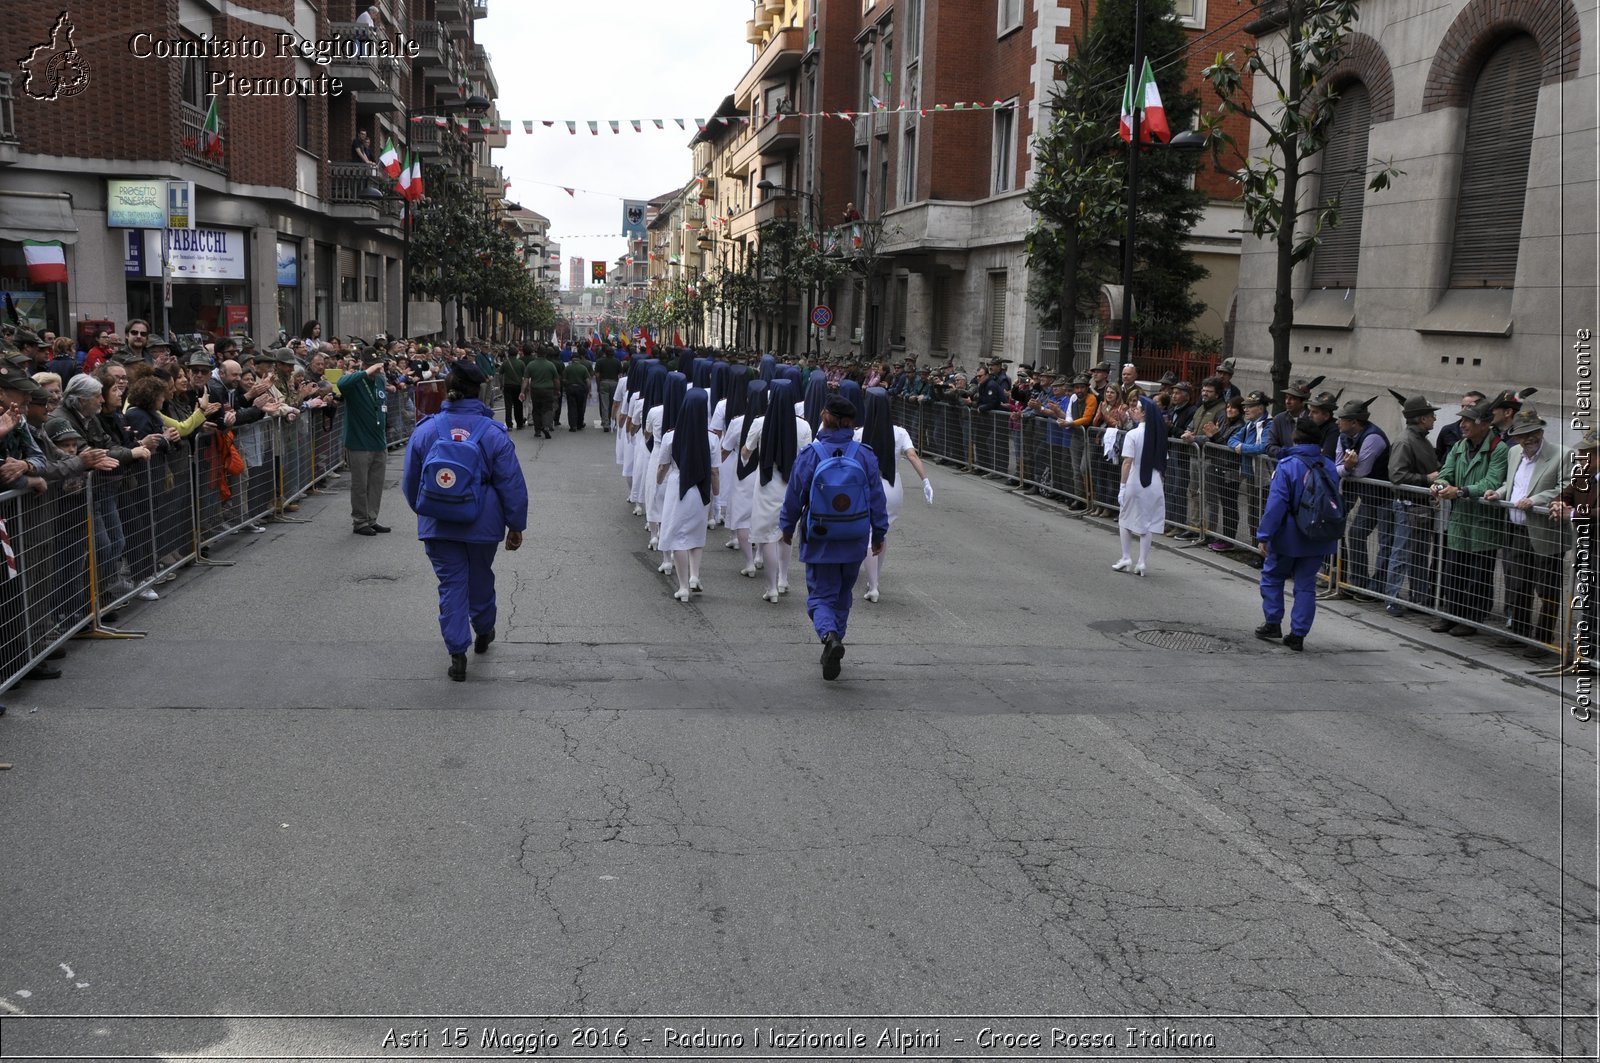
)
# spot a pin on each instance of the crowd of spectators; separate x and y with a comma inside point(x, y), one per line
point(134, 410)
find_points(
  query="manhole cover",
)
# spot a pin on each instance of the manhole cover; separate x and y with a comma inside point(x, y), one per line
point(1189, 641)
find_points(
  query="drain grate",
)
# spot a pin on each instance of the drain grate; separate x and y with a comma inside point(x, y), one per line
point(1186, 641)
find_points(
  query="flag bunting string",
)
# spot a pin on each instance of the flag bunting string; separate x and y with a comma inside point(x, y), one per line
point(640, 125)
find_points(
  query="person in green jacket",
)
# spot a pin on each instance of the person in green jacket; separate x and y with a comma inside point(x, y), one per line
point(575, 380)
point(1475, 466)
point(511, 371)
point(541, 381)
point(366, 440)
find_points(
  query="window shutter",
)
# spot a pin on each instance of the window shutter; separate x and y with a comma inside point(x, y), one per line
point(347, 262)
point(1494, 167)
point(997, 314)
point(1344, 178)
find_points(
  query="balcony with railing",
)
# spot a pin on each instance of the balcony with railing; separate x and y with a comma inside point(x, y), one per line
point(385, 97)
point(781, 54)
point(436, 53)
point(8, 123)
point(196, 146)
point(363, 71)
point(356, 190)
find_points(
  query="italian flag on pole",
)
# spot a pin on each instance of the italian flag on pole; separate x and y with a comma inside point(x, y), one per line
point(403, 185)
point(413, 190)
point(47, 262)
point(211, 132)
point(390, 159)
point(1153, 124)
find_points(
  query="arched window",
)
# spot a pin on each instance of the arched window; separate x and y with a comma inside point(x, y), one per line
point(1494, 167)
point(1344, 180)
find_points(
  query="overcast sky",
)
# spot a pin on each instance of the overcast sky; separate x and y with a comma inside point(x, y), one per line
point(606, 59)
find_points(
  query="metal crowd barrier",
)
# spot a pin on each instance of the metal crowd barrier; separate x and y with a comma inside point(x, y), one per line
point(93, 543)
point(1396, 547)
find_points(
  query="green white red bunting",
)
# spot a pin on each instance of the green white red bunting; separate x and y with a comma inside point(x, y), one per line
point(638, 125)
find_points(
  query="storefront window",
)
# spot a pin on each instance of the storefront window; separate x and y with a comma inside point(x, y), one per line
point(37, 306)
point(289, 319)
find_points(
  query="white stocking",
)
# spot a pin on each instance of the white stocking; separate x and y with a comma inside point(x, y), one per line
point(871, 567)
point(680, 568)
point(785, 552)
point(1127, 541)
point(1144, 548)
point(694, 563)
point(771, 553)
point(743, 535)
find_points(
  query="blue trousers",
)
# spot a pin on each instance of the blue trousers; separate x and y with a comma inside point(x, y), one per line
point(828, 596)
point(466, 589)
point(1303, 572)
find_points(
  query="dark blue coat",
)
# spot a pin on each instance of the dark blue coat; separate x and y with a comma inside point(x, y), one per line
point(505, 500)
point(799, 494)
point(1277, 525)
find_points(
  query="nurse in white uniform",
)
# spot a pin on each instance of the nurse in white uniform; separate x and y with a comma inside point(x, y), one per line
point(890, 443)
point(684, 466)
point(774, 440)
point(742, 498)
point(1142, 497)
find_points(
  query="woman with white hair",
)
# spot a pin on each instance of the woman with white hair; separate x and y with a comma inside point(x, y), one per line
point(82, 402)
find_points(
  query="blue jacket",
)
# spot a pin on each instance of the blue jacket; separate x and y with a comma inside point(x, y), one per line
point(799, 494)
point(1283, 496)
point(505, 502)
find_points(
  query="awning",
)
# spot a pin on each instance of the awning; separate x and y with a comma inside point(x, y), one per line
point(37, 217)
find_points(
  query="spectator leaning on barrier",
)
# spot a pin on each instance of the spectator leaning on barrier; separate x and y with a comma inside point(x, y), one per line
point(1281, 436)
point(1476, 529)
point(1250, 443)
point(1535, 544)
point(1413, 466)
point(1450, 434)
point(1320, 410)
point(1362, 453)
point(1181, 409)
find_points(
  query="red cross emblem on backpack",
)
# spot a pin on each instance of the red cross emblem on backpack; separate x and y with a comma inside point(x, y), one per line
point(446, 479)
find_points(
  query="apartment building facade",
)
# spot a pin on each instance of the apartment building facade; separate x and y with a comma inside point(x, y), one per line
point(285, 223)
point(903, 131)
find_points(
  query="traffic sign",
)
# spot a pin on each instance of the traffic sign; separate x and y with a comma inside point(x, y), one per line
point(822, 317)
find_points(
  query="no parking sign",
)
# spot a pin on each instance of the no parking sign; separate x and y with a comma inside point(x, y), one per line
point(822, 317)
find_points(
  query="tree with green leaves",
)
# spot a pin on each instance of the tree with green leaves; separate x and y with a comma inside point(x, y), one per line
point(1294, 121)
point(1080, 191)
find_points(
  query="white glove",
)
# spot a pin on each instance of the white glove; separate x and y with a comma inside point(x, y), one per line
point(1122, 496)
point(927, 490)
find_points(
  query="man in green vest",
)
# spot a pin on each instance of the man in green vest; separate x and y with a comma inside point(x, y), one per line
point(511, 371)
point(607, 371)
point(575, 379)
point(541, 380)
point(366, 441)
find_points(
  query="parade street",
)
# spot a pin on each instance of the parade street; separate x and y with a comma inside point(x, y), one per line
point(1040, 788)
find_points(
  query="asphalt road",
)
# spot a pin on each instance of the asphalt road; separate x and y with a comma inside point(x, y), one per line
point(1013, 813)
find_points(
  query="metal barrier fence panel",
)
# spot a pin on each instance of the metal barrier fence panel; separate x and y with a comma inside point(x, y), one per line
point(46, 601)
point(327, 451)
point(230, 503)
point(296, 458)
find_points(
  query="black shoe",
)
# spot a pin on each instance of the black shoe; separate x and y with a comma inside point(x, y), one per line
point(1269, 631)
point(481, 643)
point(832, 654)
point(1295, 642)
point(458, 667)
point(1463, 630)
point(1439, 627)
point(574, 429)
point(382, 529)
point(368, 530)
point(42, 670)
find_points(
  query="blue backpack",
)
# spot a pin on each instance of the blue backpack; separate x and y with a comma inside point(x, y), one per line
point(1320, 512)
point(453, 474)
point(839, 508)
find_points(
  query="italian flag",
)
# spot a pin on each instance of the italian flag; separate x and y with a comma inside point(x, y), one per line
point(211, 139)
point(414, 189)
point(390, 159)
point(1153, 124)
point(47, 262)
point(403, 185)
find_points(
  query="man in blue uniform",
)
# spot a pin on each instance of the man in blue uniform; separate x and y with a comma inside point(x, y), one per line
point(463, 552)
point(832, 566)
point(1288, 553)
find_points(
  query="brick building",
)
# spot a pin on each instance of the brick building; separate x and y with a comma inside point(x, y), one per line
point(922, 186)
point(104, 114)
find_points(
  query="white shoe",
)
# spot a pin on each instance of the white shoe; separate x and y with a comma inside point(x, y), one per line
point(1138, 570)
point(1122, 566)
point(769, 596)
point(760, 563)
point(695, 586)
point(783, 588)
point(681, 595)
point(664, 567)
point(871, 595)
point(731, 544)
point(713, 523)
point(149, 595)
point(748, 570)
point(654, 541)
point(638, 511)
